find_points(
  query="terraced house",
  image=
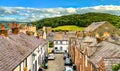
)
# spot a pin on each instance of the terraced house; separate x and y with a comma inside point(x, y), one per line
point(89, 56)
point(61, 41)
point(20, 52)
point(92, 54)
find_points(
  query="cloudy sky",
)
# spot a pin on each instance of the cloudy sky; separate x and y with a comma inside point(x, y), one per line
point(31, 10)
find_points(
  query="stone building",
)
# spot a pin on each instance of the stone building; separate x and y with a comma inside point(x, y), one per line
point(101, 28)
point(95, 49)
point(88, 55)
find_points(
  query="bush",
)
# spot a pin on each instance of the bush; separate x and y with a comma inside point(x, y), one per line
point(116, 67)
point(51, 45)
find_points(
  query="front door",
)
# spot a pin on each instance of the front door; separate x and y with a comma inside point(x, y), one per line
point(35, 65)
point(61, 48)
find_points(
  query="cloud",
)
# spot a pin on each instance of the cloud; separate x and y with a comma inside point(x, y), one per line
point(32, 14)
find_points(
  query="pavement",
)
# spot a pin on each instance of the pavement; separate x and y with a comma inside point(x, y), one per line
point(57, 64)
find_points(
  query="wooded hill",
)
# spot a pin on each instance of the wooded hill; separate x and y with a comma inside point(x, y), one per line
point(81, 20)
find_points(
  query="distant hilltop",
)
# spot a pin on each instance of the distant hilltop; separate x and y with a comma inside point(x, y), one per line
point(81, 20)
point(6, 22)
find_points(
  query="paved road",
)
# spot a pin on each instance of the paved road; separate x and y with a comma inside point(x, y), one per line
point(57, 64)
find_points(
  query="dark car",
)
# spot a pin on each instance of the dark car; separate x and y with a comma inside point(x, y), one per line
point(66, 55)
point(45, 64)
point(74, 67)
point(68, 61)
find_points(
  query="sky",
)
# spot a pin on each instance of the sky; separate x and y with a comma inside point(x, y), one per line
point(57, 3)
point(32, 10)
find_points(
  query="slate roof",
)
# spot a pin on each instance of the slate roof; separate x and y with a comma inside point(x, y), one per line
point(110, 62)
point(94, 26)
point(60, 36)
point(63, 35)
point(29, 24)
point(106, 49)
point(89, 39)
point(15, 48)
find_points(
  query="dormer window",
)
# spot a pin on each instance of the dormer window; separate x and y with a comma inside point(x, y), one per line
point(34, 54)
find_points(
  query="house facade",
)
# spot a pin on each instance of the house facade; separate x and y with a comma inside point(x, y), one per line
point(101, 28)
point(93, 53)
point(61, 45)
point(89, 56)
point(61, 42)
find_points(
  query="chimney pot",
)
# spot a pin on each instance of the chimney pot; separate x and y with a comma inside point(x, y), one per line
point(13, 25)
point(3, 31)
point(16, 25)
point(15, 28)
point(2, 27)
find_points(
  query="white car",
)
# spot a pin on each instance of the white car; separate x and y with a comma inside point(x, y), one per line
point(51, 56)
point(68, 68)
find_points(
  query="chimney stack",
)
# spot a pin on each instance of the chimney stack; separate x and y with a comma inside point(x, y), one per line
point(15, 28)
point(88, 33)
point(3, 31)
point(2, 27)
point(38, 35)
point(65, 32)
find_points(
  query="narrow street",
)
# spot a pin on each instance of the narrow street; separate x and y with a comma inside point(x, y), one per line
point(57, 64)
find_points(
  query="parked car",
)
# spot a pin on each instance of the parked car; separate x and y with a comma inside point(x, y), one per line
point(68, 68)
point(58, 51)
point(74, 67)
point(68, 61)
point(45, 65)
point(51, 56)
point(66, 55)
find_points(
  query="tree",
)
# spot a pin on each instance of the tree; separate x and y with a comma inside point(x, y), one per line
point(81, 20)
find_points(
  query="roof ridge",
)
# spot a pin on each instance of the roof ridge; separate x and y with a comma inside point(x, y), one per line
point(113, 43)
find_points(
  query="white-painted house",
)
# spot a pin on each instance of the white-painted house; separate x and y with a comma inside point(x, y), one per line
point(20, 52)
point(61, 41)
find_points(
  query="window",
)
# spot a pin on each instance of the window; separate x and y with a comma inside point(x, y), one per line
point(33, 67)
point(86, 63)
point(56, 42)
point(60, 42)
point(25, 62)
point(61, 48)
point(56, 48)
point(20, 67)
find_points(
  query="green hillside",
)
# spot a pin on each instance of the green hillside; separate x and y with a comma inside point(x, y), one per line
point(81, 20)
point(68, 27)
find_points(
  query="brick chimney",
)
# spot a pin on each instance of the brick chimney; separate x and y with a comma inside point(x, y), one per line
point(38, 35)
point(65, 32)
point(15, 28)
point(3, 31)
point(88, 33)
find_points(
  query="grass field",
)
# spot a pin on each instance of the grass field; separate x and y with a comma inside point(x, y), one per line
point(69, 28)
